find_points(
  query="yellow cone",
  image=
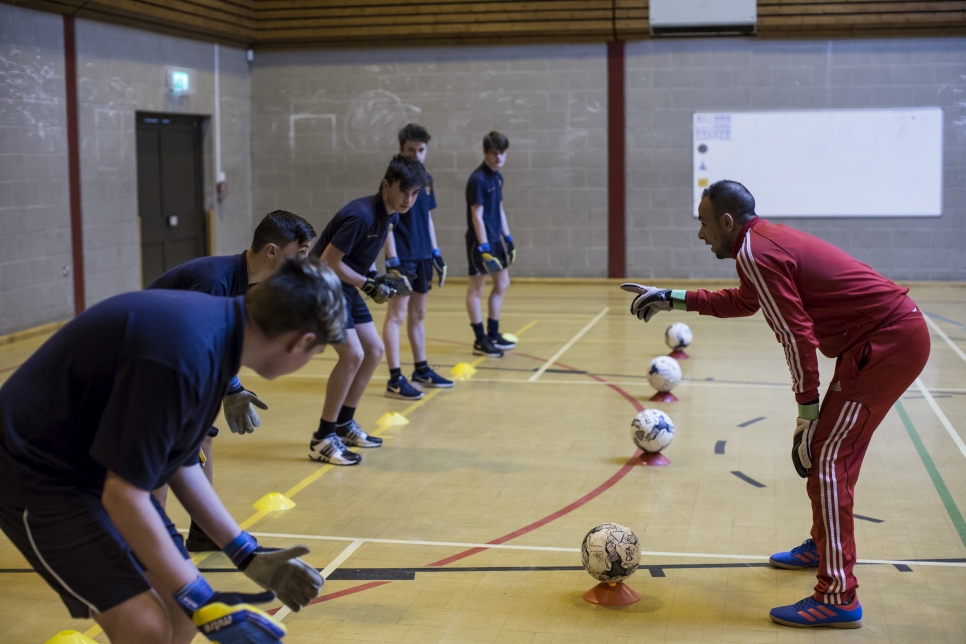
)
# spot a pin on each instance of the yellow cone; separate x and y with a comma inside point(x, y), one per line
point(70, 637)
point(463, 370)
point(274, 501)
point(392, 418)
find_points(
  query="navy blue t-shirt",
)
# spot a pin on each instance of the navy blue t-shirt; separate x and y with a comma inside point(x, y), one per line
point(226, 276)
point(359, 230)
point(412, 233)
point(485, 187)
point(131, 385)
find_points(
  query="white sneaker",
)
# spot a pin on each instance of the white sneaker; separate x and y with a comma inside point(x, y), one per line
point(331, 449)
point(352, 435)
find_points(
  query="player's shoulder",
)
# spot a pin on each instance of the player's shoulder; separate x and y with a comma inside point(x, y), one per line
point(362, 208)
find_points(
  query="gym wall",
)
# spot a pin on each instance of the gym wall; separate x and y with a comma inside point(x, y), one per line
point(325, 125)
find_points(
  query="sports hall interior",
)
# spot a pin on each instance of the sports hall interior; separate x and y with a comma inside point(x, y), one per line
point(466, 525)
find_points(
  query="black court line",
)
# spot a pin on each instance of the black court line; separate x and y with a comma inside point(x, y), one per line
point(748, 479)
point(719, 447)
point(902, 568)
point(751, 422)
point(869, 519)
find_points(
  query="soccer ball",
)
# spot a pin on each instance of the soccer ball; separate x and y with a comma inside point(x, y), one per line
point(678, 336)
point(610, 553)
point(664, 374)
point(652, 430)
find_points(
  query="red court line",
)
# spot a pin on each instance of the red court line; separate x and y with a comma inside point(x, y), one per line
point(593, 494)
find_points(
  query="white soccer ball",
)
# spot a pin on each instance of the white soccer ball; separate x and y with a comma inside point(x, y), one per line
point(664, 374)
point(678, 336)
point(610, 553)
point(652, 430)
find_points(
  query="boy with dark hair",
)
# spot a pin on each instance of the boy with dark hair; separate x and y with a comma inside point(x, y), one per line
point(412, 251)
point(279, 236)
point(350, 244)
point(489, 246)
point(116, 404)
point(813, 296)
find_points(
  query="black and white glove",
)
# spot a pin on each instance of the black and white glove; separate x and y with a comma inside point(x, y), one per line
point(649, 300)
point(240, 411)
point(280, 570)
point(805, 426)
point(439, 266)
point(379, 286)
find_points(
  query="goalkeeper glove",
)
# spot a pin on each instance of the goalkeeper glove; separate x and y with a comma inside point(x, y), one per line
point(490, 263)
point(227, 618)
point(276, 569)
point(379, 286)
point(240, 411)
point(401, 282)
point(805, 426)
point(439, 266)
point(651, 300)
point(511, 250)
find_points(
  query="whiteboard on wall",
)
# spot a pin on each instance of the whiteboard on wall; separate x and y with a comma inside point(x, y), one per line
point(825, 163)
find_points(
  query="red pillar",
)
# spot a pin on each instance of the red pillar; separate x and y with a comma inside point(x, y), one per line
point(73, 164)
point(616, 188)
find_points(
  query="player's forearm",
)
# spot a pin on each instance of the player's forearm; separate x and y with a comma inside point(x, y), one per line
point(390, 245)
point(432, 232)
point(478, 225)
point(192, 488)
point(504, 226)
point(131, 511)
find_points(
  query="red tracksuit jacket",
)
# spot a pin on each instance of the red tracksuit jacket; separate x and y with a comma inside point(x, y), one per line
point(813, 295)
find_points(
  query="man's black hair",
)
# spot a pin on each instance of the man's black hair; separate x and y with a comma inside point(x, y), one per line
point(730, 197)
point(281, 228)
point(303, 295)
point(409, 173)
point(495, 141)
point(413, 132)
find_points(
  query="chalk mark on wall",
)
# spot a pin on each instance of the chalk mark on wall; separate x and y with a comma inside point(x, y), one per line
point(295, 118)
point(373, 118)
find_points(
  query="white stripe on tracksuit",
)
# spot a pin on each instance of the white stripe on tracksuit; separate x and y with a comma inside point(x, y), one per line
point(829, 493)
point(768, 306)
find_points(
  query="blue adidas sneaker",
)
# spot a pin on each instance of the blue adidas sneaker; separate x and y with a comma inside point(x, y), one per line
point(804, 556)
point(810, 612)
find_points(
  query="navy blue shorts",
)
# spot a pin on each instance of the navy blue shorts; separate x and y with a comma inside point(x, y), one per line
point(356, 311)
point(475, 260)
point(73, 544)
point(419, 272)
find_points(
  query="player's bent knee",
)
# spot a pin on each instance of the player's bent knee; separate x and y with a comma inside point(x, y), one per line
point(140, 620)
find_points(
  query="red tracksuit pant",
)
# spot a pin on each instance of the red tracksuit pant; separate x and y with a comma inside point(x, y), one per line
point(868, 380)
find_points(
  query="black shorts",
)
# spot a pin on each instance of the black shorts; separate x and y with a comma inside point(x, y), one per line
point(475, 260)
point(356, 311)
point(74, 546)
point(419, 272)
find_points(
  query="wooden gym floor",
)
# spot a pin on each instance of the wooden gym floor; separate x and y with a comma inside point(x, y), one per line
point(465, 526)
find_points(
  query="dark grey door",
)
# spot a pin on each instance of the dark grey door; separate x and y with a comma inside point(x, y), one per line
point(170, 191)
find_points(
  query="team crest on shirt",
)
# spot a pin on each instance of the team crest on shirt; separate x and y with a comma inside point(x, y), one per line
point(390, 228)
point(429, 190)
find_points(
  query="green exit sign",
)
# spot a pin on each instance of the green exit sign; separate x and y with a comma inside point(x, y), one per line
point(180, 81)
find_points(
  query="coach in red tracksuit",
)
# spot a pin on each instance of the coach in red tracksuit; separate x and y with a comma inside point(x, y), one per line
point(813, 296)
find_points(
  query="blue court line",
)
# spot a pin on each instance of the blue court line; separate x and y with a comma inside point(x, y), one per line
point(751, 422)
point(939, 317)
point(719, 447)
point(748, 479)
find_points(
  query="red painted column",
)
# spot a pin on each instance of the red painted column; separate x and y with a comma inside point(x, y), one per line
point(616, 188)
point(73, 164)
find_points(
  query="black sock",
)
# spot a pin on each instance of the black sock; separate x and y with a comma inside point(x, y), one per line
point(395, 374)
point(478, 330)
point(345, 415)
point(422, 367)
point(492, 327)
point(325, 429)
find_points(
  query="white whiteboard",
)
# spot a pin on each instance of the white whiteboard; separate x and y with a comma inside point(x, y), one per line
point(826, 163)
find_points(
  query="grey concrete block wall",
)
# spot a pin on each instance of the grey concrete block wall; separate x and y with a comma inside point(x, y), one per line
point(324, 126)
point(122, 71)
point(668, 80)
point(34, 208)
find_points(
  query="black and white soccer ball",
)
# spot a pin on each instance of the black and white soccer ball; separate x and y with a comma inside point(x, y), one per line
point(652, 430)
point(678, 336)
point(610, 552)
point(664, 373)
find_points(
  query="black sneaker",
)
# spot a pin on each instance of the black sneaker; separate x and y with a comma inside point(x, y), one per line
point(198, 541)
point(483, 347)
point(353, 436)
point(331, 449)
point(500, 341)
point(430, 378)
point(402, 390)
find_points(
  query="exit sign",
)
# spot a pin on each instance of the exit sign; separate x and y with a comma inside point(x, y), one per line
point(180, 81)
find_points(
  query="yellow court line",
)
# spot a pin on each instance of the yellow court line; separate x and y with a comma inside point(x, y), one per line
point(526, 327)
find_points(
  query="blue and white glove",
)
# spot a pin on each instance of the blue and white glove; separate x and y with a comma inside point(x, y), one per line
point(229, 618)
point(511, 250)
